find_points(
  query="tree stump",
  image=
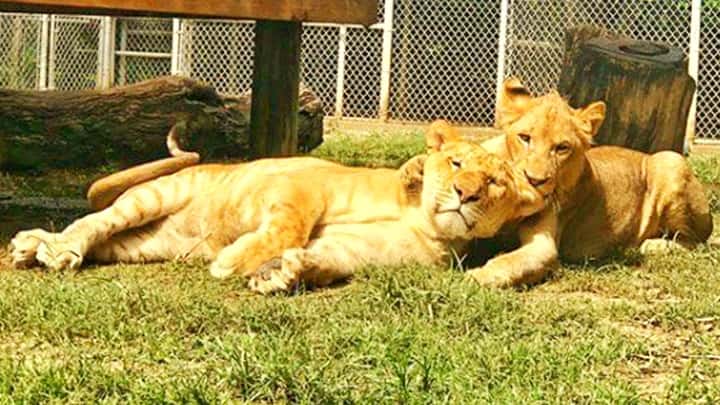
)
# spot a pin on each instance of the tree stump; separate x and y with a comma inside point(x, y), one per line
point(645, 85)
point(128, 125)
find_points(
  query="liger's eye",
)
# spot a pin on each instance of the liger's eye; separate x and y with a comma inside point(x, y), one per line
point(456, 164)
point(491, 181)
point(563, 148)
point(525, 138)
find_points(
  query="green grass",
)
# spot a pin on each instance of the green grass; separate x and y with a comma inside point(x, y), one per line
point(624, 331)
point(376, 150)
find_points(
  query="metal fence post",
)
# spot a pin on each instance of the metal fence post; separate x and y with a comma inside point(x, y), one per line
point(122, 59)
point(175, 53)
point(693, 68)
point(51, 54)
point(106, 53)
point(186, 47)
point(386, 59)
point(502, 47)
point(340, 85)
point(43, 54)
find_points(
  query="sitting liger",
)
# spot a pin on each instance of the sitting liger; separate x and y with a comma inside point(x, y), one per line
point(282, 221)
point(600, 199)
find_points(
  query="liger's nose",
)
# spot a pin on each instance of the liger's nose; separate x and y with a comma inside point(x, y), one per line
point(536, 181)
point(465, 195)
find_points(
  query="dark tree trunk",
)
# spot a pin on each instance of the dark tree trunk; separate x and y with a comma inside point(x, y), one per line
point(128, 125)
point(645, 86)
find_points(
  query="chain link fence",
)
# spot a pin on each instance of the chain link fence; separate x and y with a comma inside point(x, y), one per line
point(536, 30)
point(445, 60)
point(218, 52)
point(20, 50)
point(429, 59)
point(74, 59)
point(143, 49)
point(708, 108)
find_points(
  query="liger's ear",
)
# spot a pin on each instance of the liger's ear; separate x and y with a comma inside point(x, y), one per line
point(439, 133)
point(512, 103)
point(593, 116)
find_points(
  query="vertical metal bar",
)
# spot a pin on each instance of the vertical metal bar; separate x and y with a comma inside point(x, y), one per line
point(693, 69)
point(107, 53)
point(51, 53)
point(100, 69)
point(175, 53)
point(185, 60)
point(122, 58)
point(386, 59)
point(502, 47)
point(111, 52)
point(43, 54)
point(340, 87)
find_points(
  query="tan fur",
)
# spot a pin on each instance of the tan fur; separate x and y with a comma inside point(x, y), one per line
point(281, 221)
point(601, 198)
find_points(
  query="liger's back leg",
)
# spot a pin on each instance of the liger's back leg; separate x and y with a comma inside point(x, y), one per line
point(138, 206)
point(683, 212)
point(150, 243)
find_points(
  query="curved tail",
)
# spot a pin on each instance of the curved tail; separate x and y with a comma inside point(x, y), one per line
point(105, 191)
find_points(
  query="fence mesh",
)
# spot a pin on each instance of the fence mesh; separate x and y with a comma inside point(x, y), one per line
point(444, 53)
point(708, 96)
point(219, 53)
point(363, 63)
point(20, 51)
point(143, 49)
point(445, 60)
point(536, 30)
point(320, 63)
point(74, 60)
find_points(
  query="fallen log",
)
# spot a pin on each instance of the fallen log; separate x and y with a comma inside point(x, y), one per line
point(127, 125)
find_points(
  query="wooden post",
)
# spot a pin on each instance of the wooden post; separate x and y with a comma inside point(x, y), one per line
point(644, 84)
point(276, 81)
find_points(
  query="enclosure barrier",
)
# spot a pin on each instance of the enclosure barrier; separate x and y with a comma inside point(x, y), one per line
point(424, 59)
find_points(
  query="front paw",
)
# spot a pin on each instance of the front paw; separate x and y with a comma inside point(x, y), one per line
point(411, 173)
point(490, 276)
point(277, 274)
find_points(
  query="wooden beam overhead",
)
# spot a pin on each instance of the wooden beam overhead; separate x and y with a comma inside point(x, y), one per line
point(362, 12)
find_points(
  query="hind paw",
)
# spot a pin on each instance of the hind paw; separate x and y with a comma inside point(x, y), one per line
point(24, 247)
point(60, 253)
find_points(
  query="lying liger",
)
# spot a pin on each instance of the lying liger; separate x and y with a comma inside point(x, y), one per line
point(281, 221)
point(600, 198)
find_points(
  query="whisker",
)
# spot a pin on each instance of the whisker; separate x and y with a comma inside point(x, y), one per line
point(476, 211)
